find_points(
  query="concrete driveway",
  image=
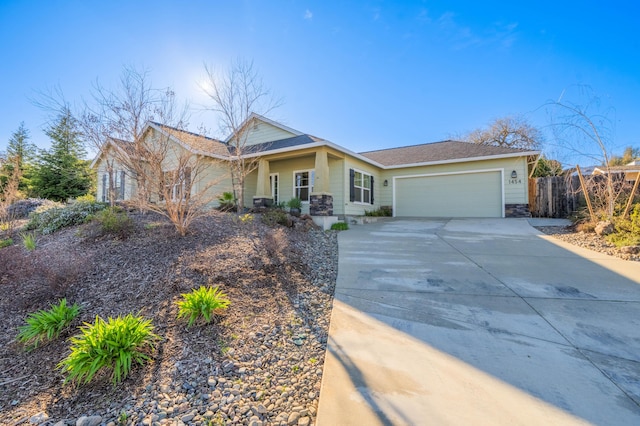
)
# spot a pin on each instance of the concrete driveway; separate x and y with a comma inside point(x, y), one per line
point(481, 321)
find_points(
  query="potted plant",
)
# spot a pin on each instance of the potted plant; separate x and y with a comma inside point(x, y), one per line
point(295, 206)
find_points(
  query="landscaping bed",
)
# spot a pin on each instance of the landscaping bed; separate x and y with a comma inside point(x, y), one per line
point(588, 240)
point(259, 363)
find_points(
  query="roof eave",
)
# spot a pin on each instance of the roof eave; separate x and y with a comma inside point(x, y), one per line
point(315, 145)
point(463, 160)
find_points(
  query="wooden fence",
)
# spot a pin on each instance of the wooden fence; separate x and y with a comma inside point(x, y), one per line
point(554, 196)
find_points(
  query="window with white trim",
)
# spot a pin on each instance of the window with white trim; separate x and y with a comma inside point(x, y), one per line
point(118, 185)
point(274, 179)
point(303, 184)
point(361, 187)
point(177, 184)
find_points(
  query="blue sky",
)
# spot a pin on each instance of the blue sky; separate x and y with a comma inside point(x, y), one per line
point(365, 75)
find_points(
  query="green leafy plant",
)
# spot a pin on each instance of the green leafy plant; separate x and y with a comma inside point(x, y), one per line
point(112, 345)
point(47, 325)
point(275, 216)
point(53, 219)
point(381, 212)
point(29, 241)
point(86, 198)
point(246, 218)
point(339, 226)
point(227, 202)
point(205, 302)
point(122, 418)
point(113, 220)
point(294, 203)
point(627, 229)
point(6, 242)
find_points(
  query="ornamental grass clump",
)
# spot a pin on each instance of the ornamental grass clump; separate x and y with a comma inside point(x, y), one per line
point(203, 302)
point(112, 345)
point(47, 325)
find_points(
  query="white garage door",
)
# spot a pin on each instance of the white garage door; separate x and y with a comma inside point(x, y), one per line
point(472, 194)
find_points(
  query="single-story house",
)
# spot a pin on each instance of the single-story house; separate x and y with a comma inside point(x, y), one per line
point(630, 171)
point(442, 179)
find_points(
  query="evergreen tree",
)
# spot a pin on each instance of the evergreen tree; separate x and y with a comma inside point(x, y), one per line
point(60, 172)
point(23, 153)
point(19, 146)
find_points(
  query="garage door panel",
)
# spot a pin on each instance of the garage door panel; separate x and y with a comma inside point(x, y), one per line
point(455, 195)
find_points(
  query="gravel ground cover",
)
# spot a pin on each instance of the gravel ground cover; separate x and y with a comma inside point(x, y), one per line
point(587, 240)
point(260, 363)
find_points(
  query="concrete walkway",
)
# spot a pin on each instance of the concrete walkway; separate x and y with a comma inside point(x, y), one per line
point(479, 322)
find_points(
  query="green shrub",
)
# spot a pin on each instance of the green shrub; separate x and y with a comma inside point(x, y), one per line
point(113, 220)
point(339, 226)
point(6, 242)
point(275, 216)
point(86, 198)
point(227, 202)
point(205, 302)
point(381, 212)
point(627, 230)
point(112, 345)
point(29, 241)
point(294, 203)
point(47, 325)
point(54, 219)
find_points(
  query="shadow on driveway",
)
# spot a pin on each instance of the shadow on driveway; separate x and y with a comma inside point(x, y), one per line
point(479, 321)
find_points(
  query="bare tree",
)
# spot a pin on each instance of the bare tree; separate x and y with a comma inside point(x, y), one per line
point(9, 187)
point(510, 131)
point(235, 95)
point(138, 128)
point(586, 131)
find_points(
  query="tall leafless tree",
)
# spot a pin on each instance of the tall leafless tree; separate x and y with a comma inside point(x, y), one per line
point(165, 173)
point(510, 131)
point(586, 131)
point(235, 94)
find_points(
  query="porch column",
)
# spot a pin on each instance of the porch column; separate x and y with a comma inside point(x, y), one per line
point(263, 189)
point(321, 200)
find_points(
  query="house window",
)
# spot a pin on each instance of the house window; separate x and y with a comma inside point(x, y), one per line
point(118, 185)
point(361, 190)
point(177, 184)
point(274, 183)
point(303, 184)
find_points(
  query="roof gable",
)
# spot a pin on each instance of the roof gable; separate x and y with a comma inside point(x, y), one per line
point(258, 130)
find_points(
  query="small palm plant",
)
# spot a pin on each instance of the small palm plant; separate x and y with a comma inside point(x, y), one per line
point(47, 325)
point(204, 301)
point(227, 202)
point(112, 345)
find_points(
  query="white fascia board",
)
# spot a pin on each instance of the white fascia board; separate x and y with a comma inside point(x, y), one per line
point(462, 160)
point(102, 150)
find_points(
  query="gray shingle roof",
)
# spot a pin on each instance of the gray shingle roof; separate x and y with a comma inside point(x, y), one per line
point(436, 151)
point(280, 144)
